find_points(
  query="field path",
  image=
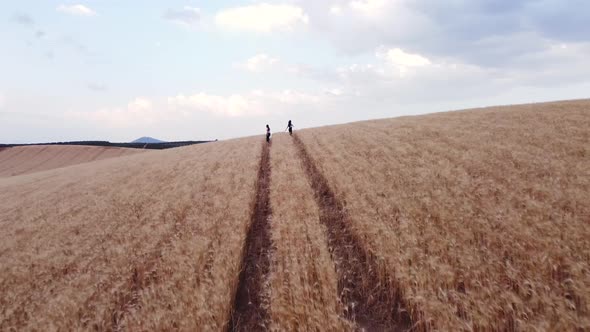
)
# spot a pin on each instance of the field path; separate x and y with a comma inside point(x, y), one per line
point(250, 310)
point(302, 283)
point(368, 296)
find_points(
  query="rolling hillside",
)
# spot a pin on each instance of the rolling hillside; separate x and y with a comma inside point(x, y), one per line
point(469, 220)
point(30, 159)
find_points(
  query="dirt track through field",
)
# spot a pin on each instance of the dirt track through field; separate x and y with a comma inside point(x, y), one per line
point(369, 300)
point(250, 308)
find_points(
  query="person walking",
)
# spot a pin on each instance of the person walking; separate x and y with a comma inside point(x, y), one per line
point(290, 127)
point(267, 133)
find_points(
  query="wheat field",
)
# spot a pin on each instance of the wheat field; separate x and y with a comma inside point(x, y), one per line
point(474, 220)
point(139, 242)
point(31, 159)
point(481, 218)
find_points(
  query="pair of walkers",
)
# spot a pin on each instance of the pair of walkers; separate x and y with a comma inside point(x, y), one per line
point(289, 127)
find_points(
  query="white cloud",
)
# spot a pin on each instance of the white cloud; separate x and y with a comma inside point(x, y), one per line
point(434, 28)
point(140, 104)
point(264, 63)
point(402, 61)
point(262, 17)
point(287, 97)
point(401, 58)
point(142, 113)
point(254, 103)
point(359, 26)
point(258, 63)
point(204, 115)
point(188, 16)
point(2, 100)
point(78, 10)
point(234, 105)
point(138, 112)
point(369, 7)
point(396, 75)
point(401, 77)
point(335, 10)
point(334, 92)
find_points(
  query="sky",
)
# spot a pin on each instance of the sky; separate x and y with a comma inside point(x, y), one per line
point(195, 70)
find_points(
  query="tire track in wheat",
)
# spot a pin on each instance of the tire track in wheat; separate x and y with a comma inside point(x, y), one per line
point(250, 303)
point(367, 294)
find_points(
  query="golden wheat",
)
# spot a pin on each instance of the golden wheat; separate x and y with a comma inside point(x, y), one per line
point(481, 217)
point(472, 220)
point(31, 159)
point(147, 241)
point(303, 282)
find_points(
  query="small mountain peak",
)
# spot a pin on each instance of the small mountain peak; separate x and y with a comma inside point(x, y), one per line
point(147, 139)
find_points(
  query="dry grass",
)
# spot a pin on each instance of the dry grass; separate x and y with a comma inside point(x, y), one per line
point(303, 282)
point(481, 217)
point(475, 220)
point(30, 159)
point(152, 241)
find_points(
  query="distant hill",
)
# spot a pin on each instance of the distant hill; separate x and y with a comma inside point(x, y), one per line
point(152, 146)
point(149, 140)
point(35, 158)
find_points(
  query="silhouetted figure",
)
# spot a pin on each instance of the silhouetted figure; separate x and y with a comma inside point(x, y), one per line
point(290, 127)
point(267, 133)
